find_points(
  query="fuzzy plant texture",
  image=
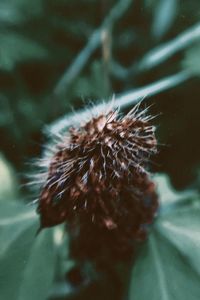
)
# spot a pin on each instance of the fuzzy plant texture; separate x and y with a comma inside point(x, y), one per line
point(96, 181)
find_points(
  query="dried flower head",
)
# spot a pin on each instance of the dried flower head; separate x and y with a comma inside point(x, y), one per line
point(96, 176)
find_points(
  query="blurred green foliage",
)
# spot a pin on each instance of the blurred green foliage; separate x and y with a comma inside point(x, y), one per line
point(27, 263)
point(167, 265)
point(39, 41)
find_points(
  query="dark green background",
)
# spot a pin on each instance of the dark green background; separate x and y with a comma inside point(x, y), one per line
point(38, 41)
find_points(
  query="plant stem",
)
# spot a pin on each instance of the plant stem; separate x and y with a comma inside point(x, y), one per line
point(94, 41)
point(159, 54)
point(122, 101)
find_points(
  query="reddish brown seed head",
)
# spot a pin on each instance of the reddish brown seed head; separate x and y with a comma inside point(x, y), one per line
point(97, 175)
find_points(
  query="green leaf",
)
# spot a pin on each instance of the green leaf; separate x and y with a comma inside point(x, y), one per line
point(181, 229)
point(27, 261)
point(8, 180)
point(167, 194)
point(39, 271)
point(168, 265)
point(15, 48)
point(191, 60)
point(164, 16)
point(94, 85)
